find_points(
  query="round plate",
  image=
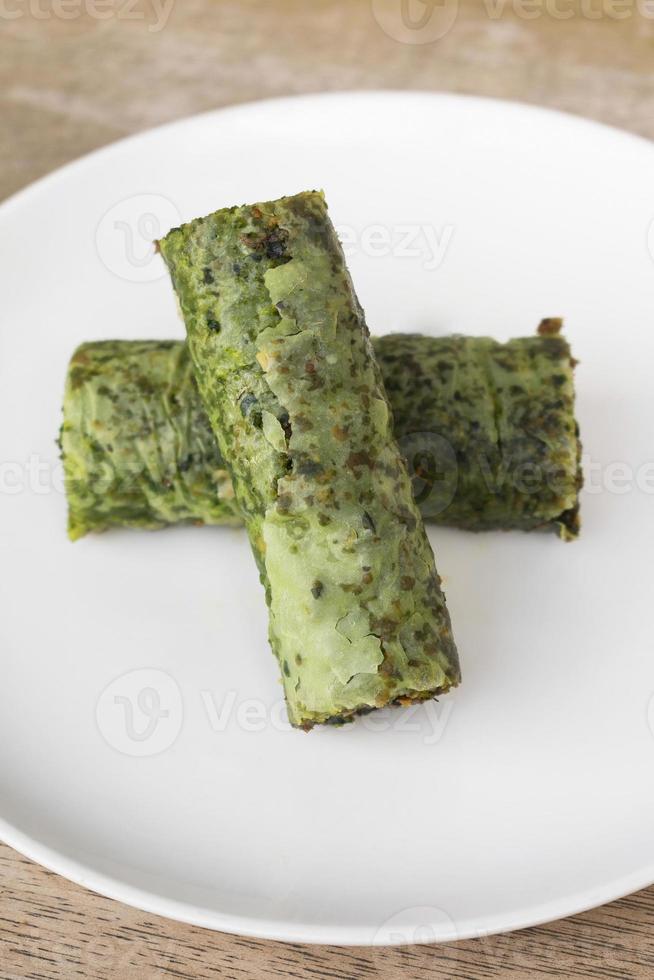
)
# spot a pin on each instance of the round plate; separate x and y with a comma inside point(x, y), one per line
point(143, 746)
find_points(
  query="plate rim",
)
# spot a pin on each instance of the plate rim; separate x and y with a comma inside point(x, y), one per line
point(266, 928)
point(150, 902)
point(23, 194)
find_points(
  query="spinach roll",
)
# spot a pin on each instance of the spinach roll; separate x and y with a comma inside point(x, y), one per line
point(289, 381)
point(136, 444)
point(488, 430)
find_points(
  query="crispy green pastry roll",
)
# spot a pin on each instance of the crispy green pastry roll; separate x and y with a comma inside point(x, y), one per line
point(488, 430)
point(136, 443)
point(295, 397)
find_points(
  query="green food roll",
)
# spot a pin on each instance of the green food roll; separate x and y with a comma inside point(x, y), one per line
point(137, 447)
point(295, 397)
point(488, 429)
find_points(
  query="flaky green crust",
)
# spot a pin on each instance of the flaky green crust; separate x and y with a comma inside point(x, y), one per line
point(294, 396)
point(488, 430)
point(137, 450)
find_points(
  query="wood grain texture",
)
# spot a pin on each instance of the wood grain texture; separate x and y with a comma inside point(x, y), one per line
point(51, 929)
point(67, 86)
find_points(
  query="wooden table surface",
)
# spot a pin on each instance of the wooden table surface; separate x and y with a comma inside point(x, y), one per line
point(75, 82)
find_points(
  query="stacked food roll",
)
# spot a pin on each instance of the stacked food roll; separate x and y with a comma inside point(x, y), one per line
point(295, 398)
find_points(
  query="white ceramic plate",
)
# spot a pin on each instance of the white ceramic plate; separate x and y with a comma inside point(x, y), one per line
point(142, 745)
